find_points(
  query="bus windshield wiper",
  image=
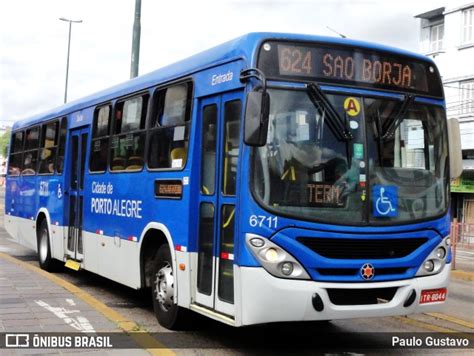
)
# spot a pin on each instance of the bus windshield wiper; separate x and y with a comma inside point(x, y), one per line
point(392, 126)
point(337, 125)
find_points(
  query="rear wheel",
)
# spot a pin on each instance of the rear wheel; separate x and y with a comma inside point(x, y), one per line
point(46, 262)
point(168, 313)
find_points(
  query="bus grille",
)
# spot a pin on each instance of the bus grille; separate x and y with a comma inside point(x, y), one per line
point(362, 248)
point(354, 271)
point(361, 296)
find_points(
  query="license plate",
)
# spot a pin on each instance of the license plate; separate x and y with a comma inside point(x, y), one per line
point(433, 295)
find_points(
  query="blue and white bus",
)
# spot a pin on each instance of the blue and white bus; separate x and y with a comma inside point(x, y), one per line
point(276, 177)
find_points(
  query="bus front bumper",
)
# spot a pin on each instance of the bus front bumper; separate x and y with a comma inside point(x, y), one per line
point(268, 299)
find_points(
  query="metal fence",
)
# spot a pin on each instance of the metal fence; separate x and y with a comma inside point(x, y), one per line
point(462, 235)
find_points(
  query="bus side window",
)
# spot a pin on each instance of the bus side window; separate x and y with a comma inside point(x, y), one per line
point(128, 143)
point(100, 139)
point(16, 154)
point(169, 127)
point(208, 149)
point(62, 145)
point(232, 115)
point(30, 155)
point(48, 148)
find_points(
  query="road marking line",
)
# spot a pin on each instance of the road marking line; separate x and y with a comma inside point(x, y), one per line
point(79, 323)
point(139, 335)
point(452, 319)
point(70, 302)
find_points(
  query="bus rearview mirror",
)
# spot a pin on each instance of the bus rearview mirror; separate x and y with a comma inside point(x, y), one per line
point(455, 152)
point(256, 118)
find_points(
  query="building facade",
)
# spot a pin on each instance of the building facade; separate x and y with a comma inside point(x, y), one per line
point(447, 36)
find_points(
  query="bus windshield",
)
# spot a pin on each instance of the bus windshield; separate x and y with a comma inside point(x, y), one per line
point(394, 169)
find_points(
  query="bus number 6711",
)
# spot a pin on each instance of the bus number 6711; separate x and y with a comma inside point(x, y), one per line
point(262, 220)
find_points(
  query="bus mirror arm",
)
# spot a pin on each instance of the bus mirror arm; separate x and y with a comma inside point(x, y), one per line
point(256, 110)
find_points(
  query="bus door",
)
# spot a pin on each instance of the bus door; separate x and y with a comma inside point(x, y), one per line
point(77, 161)
point(220, 118)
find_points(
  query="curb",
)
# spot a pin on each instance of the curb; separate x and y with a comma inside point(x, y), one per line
point(462, 275)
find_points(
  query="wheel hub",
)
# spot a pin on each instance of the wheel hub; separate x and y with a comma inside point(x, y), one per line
point(164, 287)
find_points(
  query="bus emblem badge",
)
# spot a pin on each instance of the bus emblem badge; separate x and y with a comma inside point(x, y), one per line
point(367, 271)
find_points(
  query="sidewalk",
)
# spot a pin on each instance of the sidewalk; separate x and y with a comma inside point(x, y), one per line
point(31, 303)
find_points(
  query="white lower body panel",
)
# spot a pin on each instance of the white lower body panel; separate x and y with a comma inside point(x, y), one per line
point(22, 230)
point(111, 257)
point(268, 299)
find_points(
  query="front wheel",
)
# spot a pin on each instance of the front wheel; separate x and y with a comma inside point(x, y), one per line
point(167, 311)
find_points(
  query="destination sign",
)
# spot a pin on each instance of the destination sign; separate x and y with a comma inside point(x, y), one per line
point(324, 195)
point(350, 66)
point(172, 189)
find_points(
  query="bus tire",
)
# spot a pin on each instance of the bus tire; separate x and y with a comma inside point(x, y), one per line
point(45, 260)
point(167, 312)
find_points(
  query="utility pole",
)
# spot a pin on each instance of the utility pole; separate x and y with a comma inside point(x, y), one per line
point(68, 51)
point(136, 40)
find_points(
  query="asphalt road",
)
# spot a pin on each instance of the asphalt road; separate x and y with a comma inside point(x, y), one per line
point(209, 337)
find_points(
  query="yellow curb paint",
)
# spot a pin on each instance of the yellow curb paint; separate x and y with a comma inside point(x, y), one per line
point(140, 335)
point(435, 328)
point(452, 319)
point(464, 275)
point(424, 325)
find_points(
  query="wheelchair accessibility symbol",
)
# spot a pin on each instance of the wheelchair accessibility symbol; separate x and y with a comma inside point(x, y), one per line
point(385, 200)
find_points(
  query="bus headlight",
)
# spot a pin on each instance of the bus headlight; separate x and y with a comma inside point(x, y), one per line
point(429, 266)
point(440, 252)
point(271, 255)
point(436, 260)
point(287, 268)
point(274, 259)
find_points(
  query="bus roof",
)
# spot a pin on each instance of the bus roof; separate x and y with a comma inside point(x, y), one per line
point(244, 47)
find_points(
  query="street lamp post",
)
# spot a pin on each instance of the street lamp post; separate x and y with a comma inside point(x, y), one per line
point(68, 51)
point(136, 40)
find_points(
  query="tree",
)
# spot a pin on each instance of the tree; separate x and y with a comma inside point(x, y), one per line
point(4, 142)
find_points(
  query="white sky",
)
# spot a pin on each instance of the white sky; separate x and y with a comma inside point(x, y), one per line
point(33, 42)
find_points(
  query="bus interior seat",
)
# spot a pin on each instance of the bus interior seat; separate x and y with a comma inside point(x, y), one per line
point(134, 167)
point(118, 164)
point(134, 163)
point(135, 160)
point(28, 172)
point(178, 153)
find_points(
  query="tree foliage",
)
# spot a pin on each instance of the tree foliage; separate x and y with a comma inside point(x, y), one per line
point(4, 142)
